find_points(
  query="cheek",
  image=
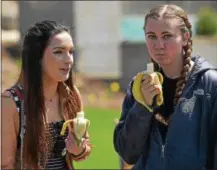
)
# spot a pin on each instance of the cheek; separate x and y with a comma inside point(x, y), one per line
point(173, 47)
point(50, 64)
point(150, 45)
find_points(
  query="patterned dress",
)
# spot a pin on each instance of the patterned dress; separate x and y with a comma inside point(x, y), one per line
point(56, 157)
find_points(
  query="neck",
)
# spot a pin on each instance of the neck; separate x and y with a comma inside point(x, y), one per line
point(50, 88)
point(173, 70)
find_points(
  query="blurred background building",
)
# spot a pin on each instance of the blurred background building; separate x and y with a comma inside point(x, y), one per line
point(109, 38)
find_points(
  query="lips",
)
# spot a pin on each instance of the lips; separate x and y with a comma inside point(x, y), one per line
point(65, 70)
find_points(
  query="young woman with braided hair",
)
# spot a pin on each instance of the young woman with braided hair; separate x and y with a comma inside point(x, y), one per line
point(31, 132)
point(181, 133)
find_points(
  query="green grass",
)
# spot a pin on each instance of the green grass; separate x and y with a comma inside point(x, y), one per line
point(101, 130)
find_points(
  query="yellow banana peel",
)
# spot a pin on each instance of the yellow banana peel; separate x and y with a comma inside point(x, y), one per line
point(80, 125)
point(157, 79)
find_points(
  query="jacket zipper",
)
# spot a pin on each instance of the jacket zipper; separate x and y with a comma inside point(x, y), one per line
point(164, 144)
point(163, 147)
point(162, 150)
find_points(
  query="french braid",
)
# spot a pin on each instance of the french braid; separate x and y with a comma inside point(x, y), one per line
point(173, 11)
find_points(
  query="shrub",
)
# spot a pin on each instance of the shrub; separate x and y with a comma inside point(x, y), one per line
point(206, 24)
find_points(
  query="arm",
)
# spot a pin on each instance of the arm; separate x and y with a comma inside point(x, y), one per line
point(215, 157)
point(212, 147)
point(132, 131)
point(85, 153)
point(214, 131)
point(10, 126)
point(210, 81)
point(88, 147)
point(70, 158)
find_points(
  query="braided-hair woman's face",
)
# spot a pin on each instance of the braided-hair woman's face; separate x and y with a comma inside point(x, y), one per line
point(165, 40)
point(168, 36)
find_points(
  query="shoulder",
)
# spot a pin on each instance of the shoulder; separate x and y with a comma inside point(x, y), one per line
point(7, 99)
point(204, 70)
point(9, 108)
point(209, 81)
point(209, 77)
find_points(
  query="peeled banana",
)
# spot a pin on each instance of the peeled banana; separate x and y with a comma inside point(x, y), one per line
point(80, 125)
point(156, 78)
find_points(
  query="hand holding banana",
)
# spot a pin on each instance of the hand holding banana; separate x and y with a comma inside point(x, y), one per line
point(80, 126)
point(72, 145)
point(147, 88)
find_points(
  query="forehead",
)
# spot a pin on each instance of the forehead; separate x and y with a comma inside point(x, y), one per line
point(162, 25)
point(61, 39)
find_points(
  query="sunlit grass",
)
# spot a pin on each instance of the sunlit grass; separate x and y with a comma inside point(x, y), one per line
point(101, 129)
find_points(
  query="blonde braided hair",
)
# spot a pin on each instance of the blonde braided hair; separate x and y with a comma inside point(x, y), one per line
point(173, 11)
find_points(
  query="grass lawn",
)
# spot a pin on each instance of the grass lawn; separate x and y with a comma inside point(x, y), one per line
point(101, 129)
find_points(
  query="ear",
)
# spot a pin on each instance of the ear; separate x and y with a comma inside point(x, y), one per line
point(186, 37)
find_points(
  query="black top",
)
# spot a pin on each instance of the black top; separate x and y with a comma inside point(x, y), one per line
point(169, 88)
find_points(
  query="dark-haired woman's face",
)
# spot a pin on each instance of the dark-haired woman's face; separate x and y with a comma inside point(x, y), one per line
point(58, 57)
point(164, 40)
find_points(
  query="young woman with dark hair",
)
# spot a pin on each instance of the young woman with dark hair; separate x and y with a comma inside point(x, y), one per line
point(35, 108)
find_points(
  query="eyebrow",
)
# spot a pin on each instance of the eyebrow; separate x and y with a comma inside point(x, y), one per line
point(165, 32)
point(62, 47)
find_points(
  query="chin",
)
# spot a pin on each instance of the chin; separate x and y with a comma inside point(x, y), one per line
point(63, 78)
point(164, 62)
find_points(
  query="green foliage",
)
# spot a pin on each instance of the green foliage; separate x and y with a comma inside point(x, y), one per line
point(206, 24)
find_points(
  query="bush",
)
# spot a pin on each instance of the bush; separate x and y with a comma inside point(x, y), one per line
point(206, 24)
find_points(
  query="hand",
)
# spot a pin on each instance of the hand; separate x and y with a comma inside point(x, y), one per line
point(149, 90)
point(71, 144)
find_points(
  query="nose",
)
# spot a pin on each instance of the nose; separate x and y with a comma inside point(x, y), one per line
point(69, 59)
point(159, 44)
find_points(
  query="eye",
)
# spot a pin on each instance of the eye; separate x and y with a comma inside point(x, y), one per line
point(167, 36)
point(152, 36)
point(57, 52)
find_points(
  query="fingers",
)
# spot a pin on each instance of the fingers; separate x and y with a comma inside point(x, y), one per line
point(71, 138)
point(67, 143)
point(146, 79)
point(155, 91)
point(83, 142)
point(149, 88)
point(149, 91)
point(71, 141)
point(72, 145)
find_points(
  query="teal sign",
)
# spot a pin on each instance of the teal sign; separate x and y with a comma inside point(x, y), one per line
point(132, 29)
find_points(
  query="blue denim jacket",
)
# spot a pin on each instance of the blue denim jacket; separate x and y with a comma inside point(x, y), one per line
point(192, 132)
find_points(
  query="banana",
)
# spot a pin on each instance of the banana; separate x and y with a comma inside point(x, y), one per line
point(80, 125)
point(156, 78)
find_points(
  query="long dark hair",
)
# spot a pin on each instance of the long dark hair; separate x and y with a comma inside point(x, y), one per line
point(173, 11)
point(36, 143)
